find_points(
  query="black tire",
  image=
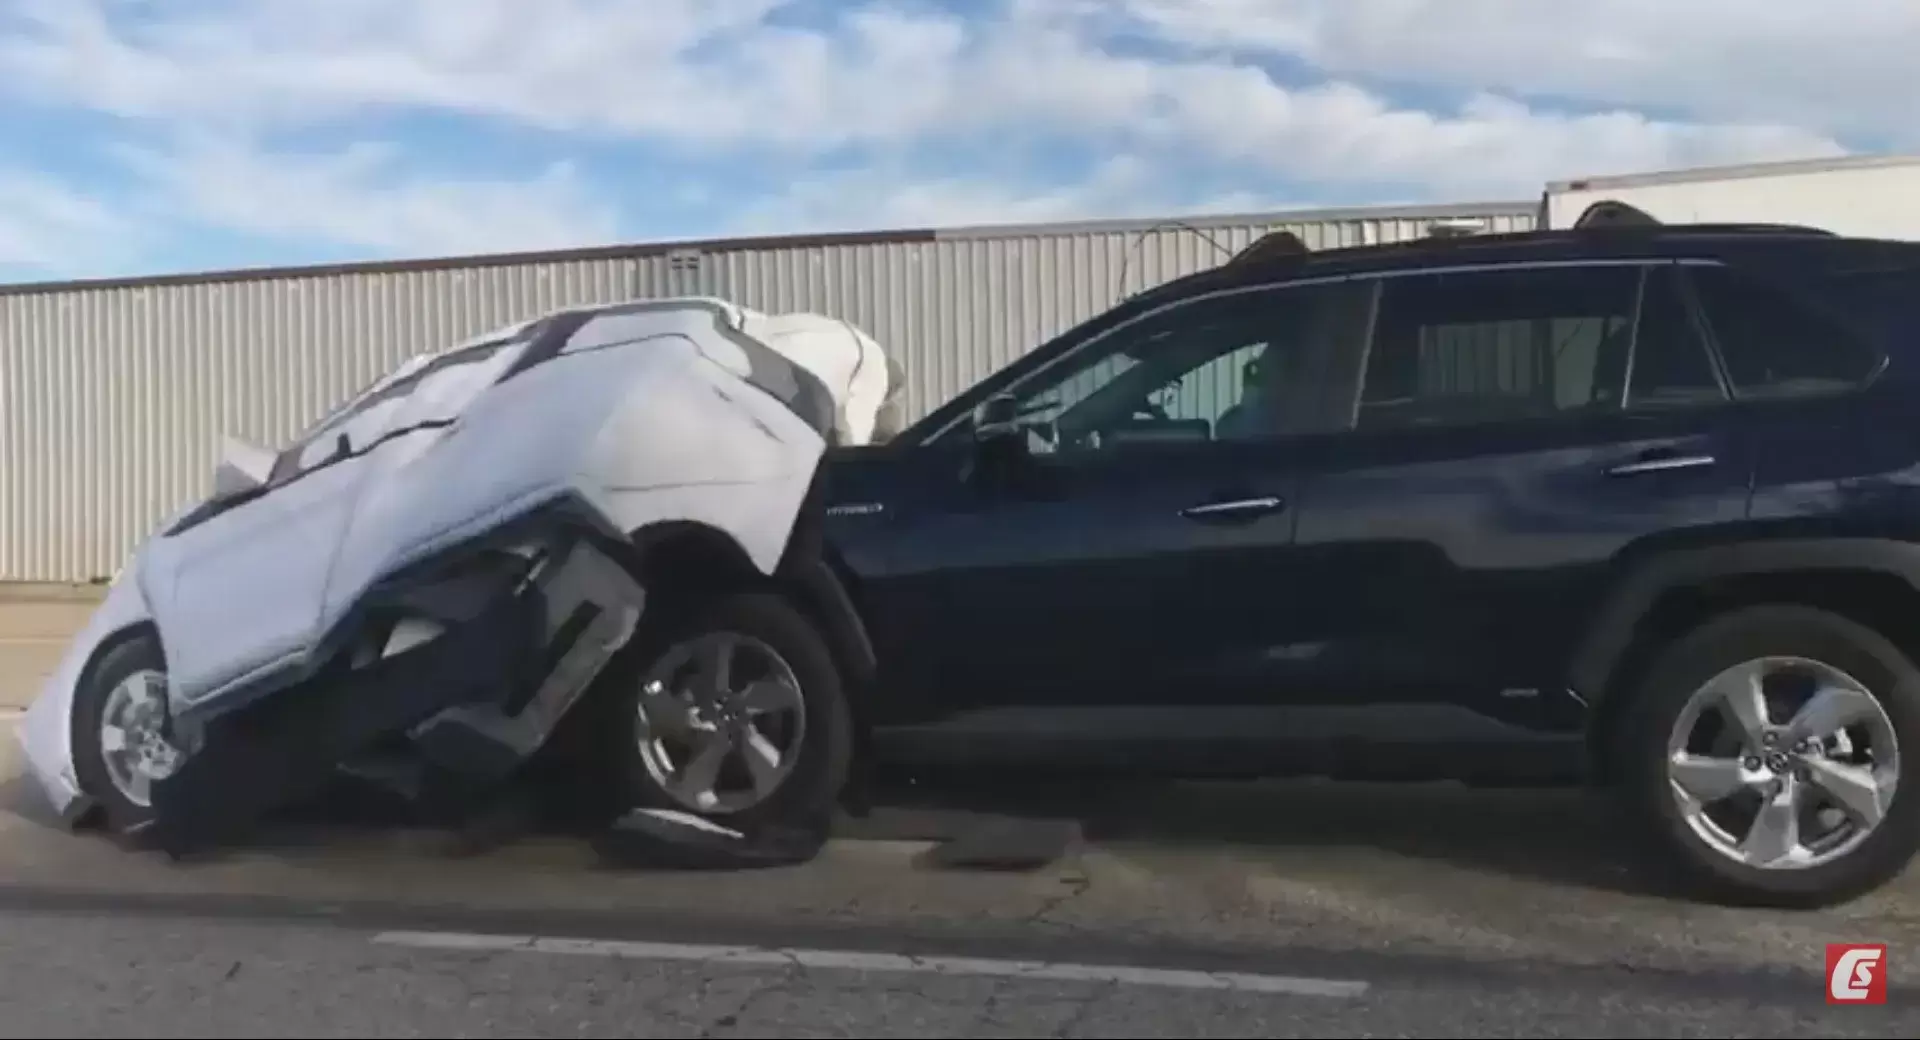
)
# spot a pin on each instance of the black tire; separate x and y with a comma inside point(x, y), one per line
point(137, 654)
point(806, 798)
point(1744, 635)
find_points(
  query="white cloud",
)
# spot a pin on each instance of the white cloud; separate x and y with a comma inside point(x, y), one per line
point(1837, 66)
point(361, 197)
point(52, 229)
point(1123, 187)
point(1437, 98)
point(716, 73)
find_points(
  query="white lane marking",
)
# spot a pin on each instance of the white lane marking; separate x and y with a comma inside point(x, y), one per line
point(853, 960)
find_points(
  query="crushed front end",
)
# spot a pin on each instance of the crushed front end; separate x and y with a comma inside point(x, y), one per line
point(446, 678)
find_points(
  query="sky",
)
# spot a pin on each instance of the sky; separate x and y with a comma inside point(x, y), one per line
point(152, 136)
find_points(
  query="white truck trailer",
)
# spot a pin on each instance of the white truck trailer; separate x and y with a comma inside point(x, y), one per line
point(1877, 196)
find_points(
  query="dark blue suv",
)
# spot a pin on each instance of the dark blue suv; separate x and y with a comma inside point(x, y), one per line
point(1632, 503)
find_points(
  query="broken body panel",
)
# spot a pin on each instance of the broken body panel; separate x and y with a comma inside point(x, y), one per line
point(429, 579)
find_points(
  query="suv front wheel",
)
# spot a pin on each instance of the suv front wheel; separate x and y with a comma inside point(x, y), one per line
point(1770, 755)
point(734, 713)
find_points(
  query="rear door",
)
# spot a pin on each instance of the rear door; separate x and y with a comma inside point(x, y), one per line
point(1517, 428)
point(1800, 349)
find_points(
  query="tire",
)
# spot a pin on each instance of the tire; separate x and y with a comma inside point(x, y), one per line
point(805, 798)
point(1660, 706)
point(117, 811)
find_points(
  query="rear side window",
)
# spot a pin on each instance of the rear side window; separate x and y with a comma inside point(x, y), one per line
point(1499, 345)
point(1781, 344)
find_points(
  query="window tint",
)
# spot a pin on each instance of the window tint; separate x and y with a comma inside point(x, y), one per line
point(1775, 344)
point(1492, 346)
point(1226, 368)
point(1880, 299)
point(1671, 366)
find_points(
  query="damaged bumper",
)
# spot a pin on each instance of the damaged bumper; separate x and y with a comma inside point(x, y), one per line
point(473, 667)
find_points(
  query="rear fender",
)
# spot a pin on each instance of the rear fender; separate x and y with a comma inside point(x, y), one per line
point(45, 732)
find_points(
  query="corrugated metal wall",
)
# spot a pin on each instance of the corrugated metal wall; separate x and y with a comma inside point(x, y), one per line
point(113, 397)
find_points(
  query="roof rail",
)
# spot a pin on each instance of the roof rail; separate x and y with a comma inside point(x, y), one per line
point(1612, 213)
point(1268, 247)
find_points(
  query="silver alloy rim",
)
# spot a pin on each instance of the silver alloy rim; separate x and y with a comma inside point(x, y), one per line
point(721, 722)
point(1783, 763)
point(133, 736)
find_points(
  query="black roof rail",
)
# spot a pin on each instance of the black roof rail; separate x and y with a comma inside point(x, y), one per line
point(1273, 245)
point(1612, 213)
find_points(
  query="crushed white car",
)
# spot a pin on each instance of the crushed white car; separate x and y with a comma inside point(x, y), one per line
point(422, 586)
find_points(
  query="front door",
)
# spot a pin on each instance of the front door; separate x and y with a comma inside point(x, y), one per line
point(1517, 430)
point(1135, 555)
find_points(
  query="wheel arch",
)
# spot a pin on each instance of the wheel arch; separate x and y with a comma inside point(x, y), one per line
point(1870, 580)
point(680, 558)
point(87, 810)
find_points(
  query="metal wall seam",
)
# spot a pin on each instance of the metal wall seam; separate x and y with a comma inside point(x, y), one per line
point(114, 396)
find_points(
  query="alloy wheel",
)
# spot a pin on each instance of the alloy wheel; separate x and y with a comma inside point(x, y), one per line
point(134, 745)
point(721, 722)
point(1783, 763)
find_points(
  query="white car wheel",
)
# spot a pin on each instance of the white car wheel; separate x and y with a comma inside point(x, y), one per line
point(121, 746)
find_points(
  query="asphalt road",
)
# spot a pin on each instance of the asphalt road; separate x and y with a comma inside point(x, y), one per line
point(1271, 910)
point(94, 976)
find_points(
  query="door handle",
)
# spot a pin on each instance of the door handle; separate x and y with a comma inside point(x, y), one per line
point(1235, 508)
point(1661, 464)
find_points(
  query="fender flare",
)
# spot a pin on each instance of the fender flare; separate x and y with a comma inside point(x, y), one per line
point(1609, 635)
point(807, 570)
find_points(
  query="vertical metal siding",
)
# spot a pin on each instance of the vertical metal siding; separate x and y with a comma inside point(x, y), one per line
point(113, 398)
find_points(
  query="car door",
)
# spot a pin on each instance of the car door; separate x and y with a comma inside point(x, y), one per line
point(418, 488)
point(1801, 348)
point(236, 588)
point(1517, 429)
point(1112, 577)
point(248, 589)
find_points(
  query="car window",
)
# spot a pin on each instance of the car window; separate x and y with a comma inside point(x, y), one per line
point(1672, 367)
point(1776, 345)
point(1470, 347)
point(1228, 367)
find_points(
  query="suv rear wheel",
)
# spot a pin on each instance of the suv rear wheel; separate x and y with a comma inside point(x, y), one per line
point(1771, 756)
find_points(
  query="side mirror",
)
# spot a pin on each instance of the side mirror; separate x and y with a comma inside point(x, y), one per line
point(243, 467)
point(998, 417)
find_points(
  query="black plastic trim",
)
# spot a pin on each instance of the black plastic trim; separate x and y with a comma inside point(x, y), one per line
point(1610, 635)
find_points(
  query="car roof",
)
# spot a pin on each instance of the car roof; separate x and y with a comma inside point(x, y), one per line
point(1281, 255)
